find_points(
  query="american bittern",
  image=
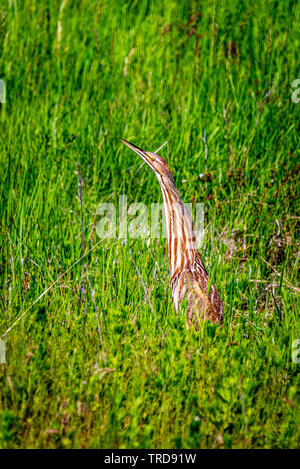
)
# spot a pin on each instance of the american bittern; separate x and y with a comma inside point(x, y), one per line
point(188, 276)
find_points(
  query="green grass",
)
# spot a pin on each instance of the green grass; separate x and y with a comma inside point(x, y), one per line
point(70, 98)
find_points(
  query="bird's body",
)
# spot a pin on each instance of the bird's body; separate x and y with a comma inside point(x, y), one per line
point(188, 276)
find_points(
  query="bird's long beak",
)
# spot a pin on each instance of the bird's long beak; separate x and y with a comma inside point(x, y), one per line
point(142, 153)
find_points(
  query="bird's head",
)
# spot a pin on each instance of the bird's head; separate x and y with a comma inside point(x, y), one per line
point(156, 162)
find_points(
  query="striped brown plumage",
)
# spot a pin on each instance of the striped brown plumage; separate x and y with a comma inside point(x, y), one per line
point(188, 276)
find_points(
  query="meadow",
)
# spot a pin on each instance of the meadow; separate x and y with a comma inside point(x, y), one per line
point(88, 364)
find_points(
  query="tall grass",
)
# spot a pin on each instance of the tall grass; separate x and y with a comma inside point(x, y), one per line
point(79, 76)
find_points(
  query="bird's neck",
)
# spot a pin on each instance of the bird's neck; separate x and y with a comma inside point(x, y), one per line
point(182, 248)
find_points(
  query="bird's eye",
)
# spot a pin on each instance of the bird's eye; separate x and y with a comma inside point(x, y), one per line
point(152, 158)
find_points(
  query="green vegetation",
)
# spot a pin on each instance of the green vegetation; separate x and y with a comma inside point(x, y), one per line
point(79, 76)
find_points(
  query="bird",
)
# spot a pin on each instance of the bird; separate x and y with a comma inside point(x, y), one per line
point(188, 276)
